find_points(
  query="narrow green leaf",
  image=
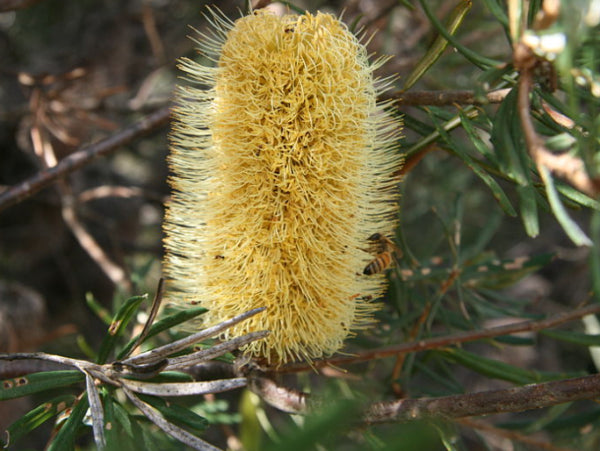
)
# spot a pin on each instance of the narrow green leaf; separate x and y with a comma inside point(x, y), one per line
point(122, 417)
point(176, 413)
point(474, 137)
point(576, 196)
point(165, 324)
point(528, 210)
point(36, 417)
point(514, 340)
point(507, 138)
point(578, 338)
point(293, 7)
point(320, 427)
point(37, 382)
point(119, 431)
point(419, 127)
point(493, 368)
point(478, 60)
point(118, 325)
point(497, 11)
point(251, 432)
point(98, 309)
point(439, 44)
point(497, 192)
point(64, 439)
point(570, 227)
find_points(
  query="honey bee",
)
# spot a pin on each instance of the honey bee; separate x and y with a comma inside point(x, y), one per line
point(386, 253)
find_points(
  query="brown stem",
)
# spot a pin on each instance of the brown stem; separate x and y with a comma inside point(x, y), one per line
point(437, 342)
point(441, 98)
point(563, 165)
point(82, 157)
point(518, 399)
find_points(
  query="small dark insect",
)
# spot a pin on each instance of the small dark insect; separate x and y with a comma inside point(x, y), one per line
point(386, 253)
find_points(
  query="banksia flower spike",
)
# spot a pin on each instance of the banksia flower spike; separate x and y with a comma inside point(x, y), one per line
point(282, 166)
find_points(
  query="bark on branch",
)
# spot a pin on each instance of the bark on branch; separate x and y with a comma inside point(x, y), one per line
point(82, 157)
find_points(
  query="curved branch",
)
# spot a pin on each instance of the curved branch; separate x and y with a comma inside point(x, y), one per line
point(82, 157)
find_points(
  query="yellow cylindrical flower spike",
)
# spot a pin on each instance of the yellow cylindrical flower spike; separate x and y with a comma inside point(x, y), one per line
point(282, 166)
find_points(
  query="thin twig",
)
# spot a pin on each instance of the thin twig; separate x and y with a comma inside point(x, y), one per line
point(45, 152)
point(442, 98)
point(113, 271)
point(151, 317)
point(82, 157)
point(126, 192)
point(163, 351)
point(437, 342)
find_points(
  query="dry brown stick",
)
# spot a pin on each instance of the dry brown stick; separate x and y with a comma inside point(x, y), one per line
point(441, 98)
point(82, 157)
point(414, 159)
point(12, 5)
point(45, 152)
point(437, 342)
point(113, 271)
point(518, 399)
point(126, 192)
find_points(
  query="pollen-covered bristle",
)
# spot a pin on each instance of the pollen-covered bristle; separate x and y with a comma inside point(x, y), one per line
point(282, 167)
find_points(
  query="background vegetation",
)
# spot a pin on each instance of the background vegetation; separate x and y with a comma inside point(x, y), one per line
point(499, 225)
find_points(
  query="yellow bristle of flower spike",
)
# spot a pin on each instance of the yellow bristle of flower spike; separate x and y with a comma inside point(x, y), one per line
point(282, 168)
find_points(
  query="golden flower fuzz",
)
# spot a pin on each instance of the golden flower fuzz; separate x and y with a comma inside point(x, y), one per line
point(282, 166)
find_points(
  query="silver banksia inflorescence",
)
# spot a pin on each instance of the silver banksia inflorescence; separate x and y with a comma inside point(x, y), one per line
point(282, 167)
